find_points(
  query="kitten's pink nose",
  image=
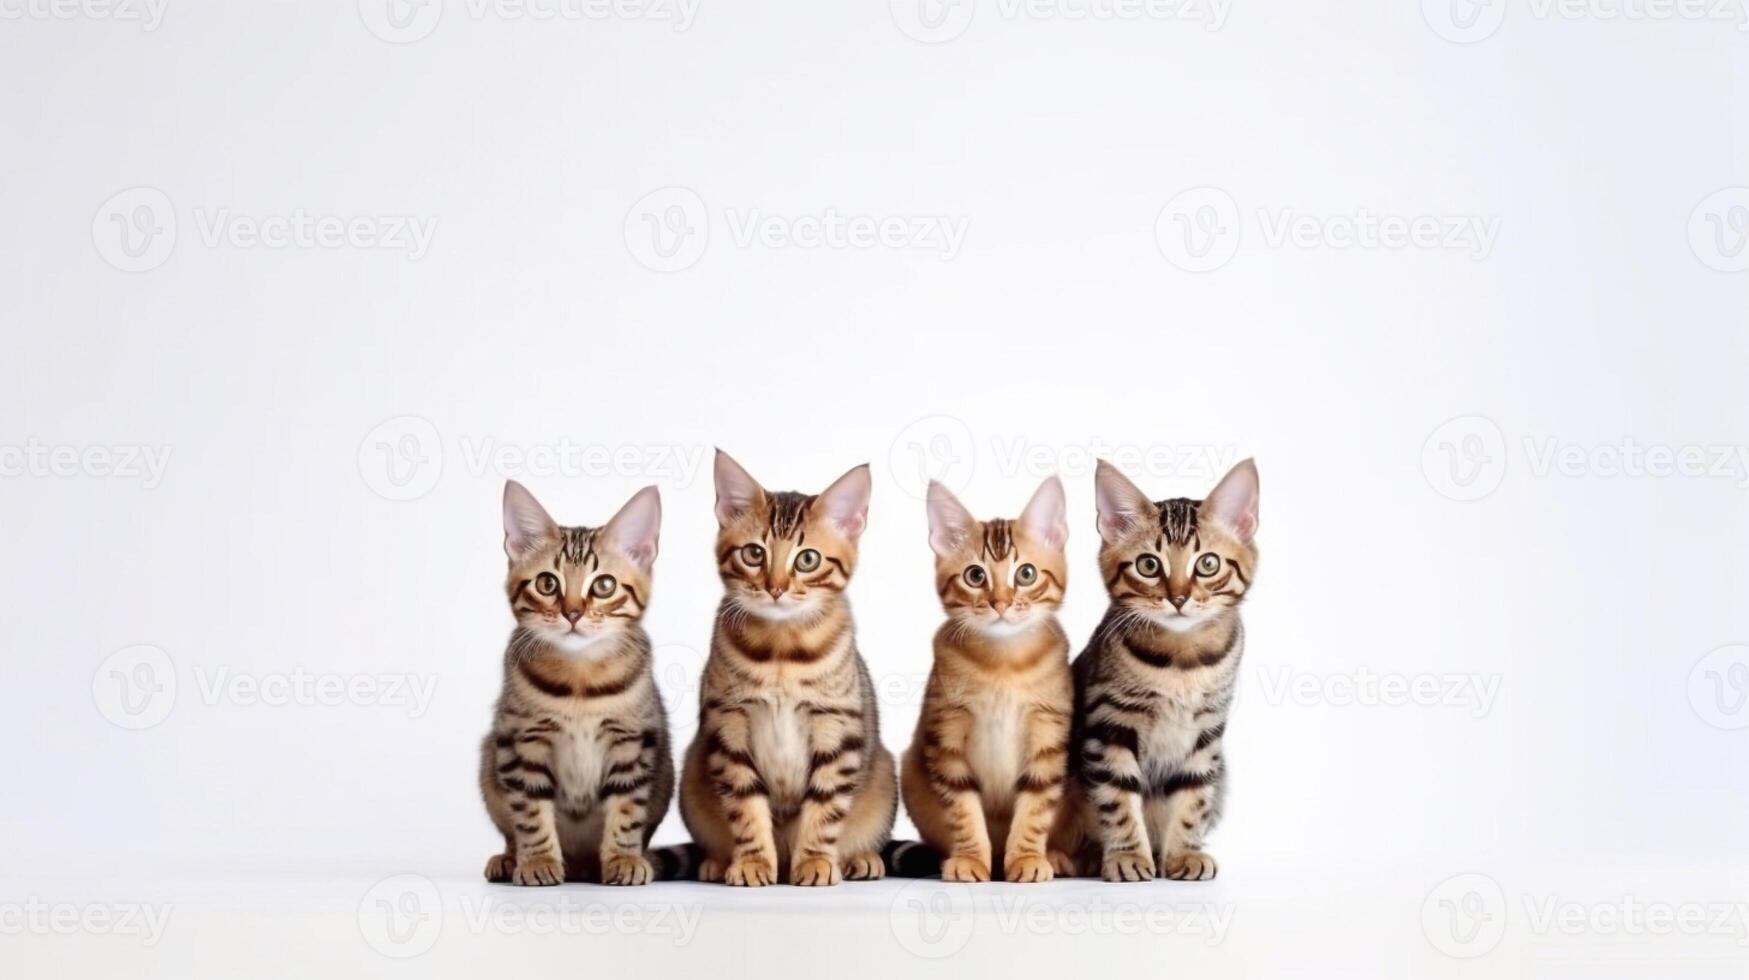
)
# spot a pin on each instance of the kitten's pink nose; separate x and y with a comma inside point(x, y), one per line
point(1178, 601)
point(776, 591)
point(1000, 606)
point(573, 616)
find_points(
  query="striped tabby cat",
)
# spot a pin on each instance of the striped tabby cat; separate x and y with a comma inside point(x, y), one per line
point(1154, 685)
point(787, 777)
point(577, 771)
point(983, 779)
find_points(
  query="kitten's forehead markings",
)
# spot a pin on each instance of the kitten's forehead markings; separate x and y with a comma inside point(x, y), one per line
point(787, 511)
point(1178, 519)
point(578, 546)
point(998, 540)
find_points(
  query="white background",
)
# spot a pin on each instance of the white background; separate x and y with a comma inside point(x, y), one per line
point(1570, 739)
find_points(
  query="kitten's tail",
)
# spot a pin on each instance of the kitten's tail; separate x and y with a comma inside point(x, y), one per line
point(911, 859)
point(677, 863)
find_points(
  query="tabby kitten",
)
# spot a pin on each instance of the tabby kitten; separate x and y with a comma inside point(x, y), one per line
point(1154, 685)
point(787, 776)
point(577, 772)
point(983, 778)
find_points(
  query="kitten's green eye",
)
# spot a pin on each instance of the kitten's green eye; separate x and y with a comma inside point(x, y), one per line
point(603, 586)
point(1148, 566)
point(974, 576)
point(1025, 575)
point(546, 583)
point(1208, 564)
point(753, 555)
point(808, 560)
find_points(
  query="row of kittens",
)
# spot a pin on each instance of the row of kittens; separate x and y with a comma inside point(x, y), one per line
point(1023, 767)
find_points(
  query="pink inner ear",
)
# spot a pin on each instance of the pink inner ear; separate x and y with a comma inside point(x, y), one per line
point(635, 529)
point(845, 502)
point(1120, 503)
point(1045, 517)
point(526, 523)
point(949, 521)
point(737, 491)
point(1233, 502)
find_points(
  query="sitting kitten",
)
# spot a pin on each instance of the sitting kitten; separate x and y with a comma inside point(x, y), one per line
point(984, 775)
point(577, 771)
point(1154, 685)
point(787, 776)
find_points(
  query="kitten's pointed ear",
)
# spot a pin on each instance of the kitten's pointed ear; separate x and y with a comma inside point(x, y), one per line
point(737, 491)
point(949, 521)
point(1046, 515)
point(527, 527)
point(1121, 505)
point(1233, 502)
point(845, 502)
point(635, 528)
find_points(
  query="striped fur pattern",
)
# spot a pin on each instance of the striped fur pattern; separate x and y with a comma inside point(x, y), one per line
point(984, 777)
point(577, 770)
point(787, 779)
point(1154, 687)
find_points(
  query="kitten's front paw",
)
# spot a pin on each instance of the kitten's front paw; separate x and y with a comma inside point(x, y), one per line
point(499, 868)
point(753, 871)
point(541, 871)
point(866, 866)
point(1188, 866)
point(961, 868)
point(1127, 866)
point(1027, 868)
point(711, 869)
point(1063, 864)
point(626, 869)
point(815, 871)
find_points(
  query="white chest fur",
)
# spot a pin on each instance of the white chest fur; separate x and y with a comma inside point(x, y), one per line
point(780, 746)
point(996, 746)
point(579, 759)
point(1166, 743)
